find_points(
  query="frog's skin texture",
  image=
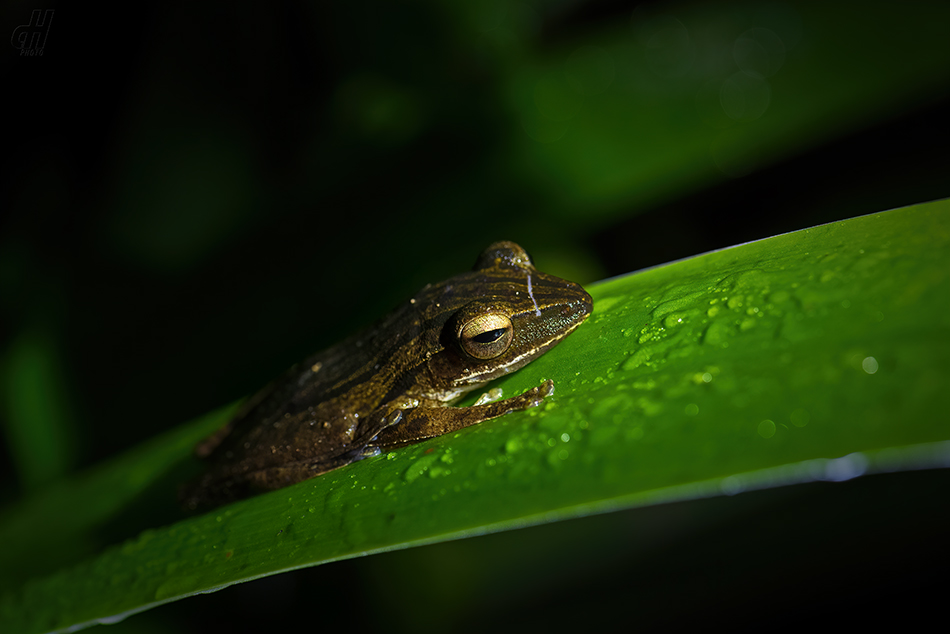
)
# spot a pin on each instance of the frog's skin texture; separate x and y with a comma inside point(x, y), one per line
point(392, 384)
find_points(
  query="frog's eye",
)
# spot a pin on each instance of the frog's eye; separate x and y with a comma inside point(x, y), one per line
point(486, 336)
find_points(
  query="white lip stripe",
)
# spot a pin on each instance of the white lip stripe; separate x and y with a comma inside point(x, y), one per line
point(537, 311)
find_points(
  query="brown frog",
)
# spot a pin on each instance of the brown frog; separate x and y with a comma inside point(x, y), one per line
point(391, 385)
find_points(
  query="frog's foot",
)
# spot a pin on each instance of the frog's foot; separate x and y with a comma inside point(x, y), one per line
point(537, 394)
point(428, 422)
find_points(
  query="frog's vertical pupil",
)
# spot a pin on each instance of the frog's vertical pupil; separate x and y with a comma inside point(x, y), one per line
point(489, 336)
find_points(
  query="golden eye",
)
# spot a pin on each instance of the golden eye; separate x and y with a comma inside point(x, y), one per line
point(486, 336)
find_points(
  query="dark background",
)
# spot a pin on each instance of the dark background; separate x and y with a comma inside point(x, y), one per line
point(195, 197)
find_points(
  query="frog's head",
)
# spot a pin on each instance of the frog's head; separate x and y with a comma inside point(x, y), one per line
point(502, 315)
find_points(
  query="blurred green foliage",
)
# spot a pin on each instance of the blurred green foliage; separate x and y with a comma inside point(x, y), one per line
point(38, 421)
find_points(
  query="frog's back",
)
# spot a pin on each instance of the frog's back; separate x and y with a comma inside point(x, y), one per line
point(312, 419)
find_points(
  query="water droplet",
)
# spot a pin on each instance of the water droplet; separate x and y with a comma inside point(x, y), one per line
point(731, 485)
point(637, 359)
point(846, 467)
point(674, 320)
point(418, 467)
point(870, 365)
point(437, 472)
point(799, 417)
point(565, 437)
point(691, 410)
point(766, 428)
point(648, 384)
point(604, 303)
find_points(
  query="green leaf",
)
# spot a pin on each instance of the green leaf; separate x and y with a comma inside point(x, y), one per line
point(676, 97)
point(816, 355)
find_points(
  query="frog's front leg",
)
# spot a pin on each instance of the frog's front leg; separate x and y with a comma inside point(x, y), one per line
point(423, 422)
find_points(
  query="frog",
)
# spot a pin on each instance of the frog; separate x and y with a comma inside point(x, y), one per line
point(395, 383)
